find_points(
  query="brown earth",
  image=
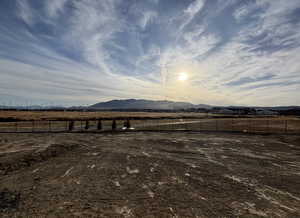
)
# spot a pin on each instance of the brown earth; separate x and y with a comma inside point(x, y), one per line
point(59, 115)
point(54, 115)
point(149, 175)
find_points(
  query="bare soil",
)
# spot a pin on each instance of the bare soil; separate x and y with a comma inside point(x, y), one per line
point(149, 175)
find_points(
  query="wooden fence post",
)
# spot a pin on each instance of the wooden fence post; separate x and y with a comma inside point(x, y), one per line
point(71, 125)
point(87, 125)
point(114, 125)
point(249, 127)
point(99, 125)
point(286, 126)
point(128, 125)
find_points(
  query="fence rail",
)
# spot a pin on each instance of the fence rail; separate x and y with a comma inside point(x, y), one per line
point(231, 125)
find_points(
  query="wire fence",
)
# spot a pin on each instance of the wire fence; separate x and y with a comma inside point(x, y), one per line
point(224, 125)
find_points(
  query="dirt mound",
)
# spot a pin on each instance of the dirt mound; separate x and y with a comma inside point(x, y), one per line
point(15, 161)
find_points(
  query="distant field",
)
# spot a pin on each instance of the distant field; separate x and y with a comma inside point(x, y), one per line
point(59, 115)
point(50, 121)
point(53, 115)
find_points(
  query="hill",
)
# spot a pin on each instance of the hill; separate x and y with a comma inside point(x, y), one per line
point(146, 104)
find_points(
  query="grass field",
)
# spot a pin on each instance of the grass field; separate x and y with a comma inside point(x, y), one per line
point(54, 115)
point(249, 125)
point(75, 115)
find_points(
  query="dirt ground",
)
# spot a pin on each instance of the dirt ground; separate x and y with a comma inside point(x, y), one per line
point(149, 175)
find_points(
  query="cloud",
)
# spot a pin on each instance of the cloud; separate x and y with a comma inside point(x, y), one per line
point(189, 13)
point(83, 51)
point(147, 17)
point(54, 7)
point(25, 12)
point(92, 24)
point(194, 8)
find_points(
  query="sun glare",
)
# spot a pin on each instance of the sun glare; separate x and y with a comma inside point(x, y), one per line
point(183, 76)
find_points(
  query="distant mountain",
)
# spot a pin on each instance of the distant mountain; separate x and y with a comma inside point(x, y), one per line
point(142, 104)
point(31, 107)
point(146, 104)
point(278, 108)
point(203, 106)
point(283, 108)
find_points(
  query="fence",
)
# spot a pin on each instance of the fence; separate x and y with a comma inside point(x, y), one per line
point(231, 125)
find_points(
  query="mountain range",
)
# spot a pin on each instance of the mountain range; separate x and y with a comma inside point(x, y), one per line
point(143, 104)
point(147, 104)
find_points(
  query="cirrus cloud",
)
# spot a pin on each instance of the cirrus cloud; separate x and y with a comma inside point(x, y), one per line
point(80, 52)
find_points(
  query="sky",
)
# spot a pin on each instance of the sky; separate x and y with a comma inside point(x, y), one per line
point(80, 52)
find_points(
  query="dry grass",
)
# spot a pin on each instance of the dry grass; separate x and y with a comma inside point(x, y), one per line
point(170, 121)
point(59, 115)
point(52, 115)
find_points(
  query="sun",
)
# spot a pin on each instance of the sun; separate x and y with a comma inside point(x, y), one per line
point(183, 76)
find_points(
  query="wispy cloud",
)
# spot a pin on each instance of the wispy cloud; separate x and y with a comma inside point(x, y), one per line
point(54, 7)
point(79, 52)
point(25, 12)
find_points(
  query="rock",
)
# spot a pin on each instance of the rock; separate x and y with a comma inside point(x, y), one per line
point(129, 171)
point(117, 183)
point(151, 194)
point(68, 204)
point(187, 174)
